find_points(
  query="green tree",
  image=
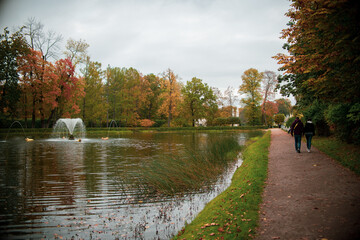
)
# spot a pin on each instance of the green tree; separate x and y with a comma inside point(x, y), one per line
point(279, 118)
point(115, 81)
point(152, 101)
point(94, 107)
point(127, 94)
point(11, 47)
point(198, 97)
point(284, 106)
point(251, 89)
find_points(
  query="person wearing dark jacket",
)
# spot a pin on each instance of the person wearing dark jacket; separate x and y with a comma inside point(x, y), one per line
point(309, 132)
point(297, 131)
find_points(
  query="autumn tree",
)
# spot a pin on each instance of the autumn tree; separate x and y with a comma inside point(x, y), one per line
point(11, 47)
point(39, 81)
point(324, 45)
point(126, 92)
point(251, 89)
point(223, 110)
point(170, 95)
point(220, 99)
point(231, 100)
point(270, 109)
point(71, 89)
point(269, 82)
point(135, 90)
point(76, 51)
point(322, 67)
point(198, 99)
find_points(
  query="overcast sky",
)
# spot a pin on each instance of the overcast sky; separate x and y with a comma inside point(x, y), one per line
point(214, 40)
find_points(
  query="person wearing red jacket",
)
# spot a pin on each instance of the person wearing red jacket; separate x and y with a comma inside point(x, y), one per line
point(297, 130)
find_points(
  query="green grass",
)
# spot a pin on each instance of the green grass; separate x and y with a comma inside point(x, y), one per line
point(234, 213)
point(347, 154)
point(192, 171)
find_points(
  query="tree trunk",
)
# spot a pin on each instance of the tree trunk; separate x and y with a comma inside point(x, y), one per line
point(169, 116)
point(33, 114)
point(25, 111)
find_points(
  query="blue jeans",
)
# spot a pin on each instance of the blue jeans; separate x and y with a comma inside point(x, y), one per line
point(308, 140)
point(297, 142)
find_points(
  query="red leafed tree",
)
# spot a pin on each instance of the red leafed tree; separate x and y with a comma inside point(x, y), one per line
point(70, 93)
point(39, 85)
point(269, 110)
point(53, 91)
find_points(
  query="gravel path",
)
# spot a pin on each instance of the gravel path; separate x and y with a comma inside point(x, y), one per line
point(307, 195)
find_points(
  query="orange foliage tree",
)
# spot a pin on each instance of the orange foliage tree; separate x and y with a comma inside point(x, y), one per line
point(171, 95)
point(38, 81)
point(323, 39)
point(269, 110)
point(53, 91)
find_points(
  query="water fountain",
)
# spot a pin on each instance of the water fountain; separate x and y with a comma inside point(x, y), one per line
point(111, 124)
point(69, 128)
point(20, 126)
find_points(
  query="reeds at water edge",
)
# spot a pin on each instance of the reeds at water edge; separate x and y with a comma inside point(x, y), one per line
point(194, 171)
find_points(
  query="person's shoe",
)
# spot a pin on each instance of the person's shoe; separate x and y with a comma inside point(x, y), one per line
point(308, 150)
point(298, 151)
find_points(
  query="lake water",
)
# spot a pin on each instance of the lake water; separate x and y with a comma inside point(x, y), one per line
point(56, 188)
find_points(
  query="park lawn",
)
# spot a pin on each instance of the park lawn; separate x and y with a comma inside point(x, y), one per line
point(347, 154)
point(234, 214)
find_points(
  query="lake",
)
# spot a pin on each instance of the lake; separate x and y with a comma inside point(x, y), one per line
point(62, 189)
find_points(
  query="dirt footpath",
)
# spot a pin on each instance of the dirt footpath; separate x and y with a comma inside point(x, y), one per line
point(307, 195)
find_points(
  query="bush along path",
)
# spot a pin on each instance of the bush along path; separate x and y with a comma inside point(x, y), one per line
point(307, 195)
point(234, 213)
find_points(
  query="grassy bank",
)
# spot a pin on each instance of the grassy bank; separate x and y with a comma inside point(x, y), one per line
point(234, 213)
point(347, 154)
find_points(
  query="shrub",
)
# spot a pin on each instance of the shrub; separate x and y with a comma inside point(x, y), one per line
point(146, 123)
point(279, 118)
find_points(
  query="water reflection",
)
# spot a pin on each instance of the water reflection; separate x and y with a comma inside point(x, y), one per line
point(54, 188)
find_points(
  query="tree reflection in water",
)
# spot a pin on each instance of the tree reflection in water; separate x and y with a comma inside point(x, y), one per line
point(55, 188)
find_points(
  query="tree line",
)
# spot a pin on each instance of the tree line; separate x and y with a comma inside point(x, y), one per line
point(322, 68)
point(38, 87)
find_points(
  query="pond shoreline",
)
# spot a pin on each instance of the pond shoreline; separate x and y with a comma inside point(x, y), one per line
point(234, 214)
point(46, 132)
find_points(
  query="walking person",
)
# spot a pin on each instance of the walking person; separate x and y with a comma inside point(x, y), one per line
point(309, 132)
point(297, 131)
